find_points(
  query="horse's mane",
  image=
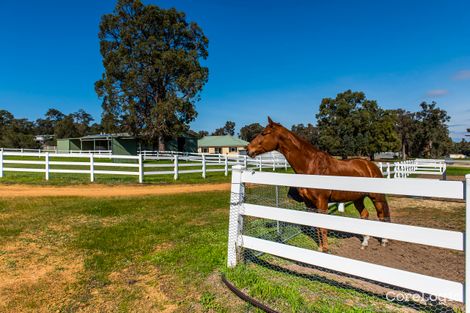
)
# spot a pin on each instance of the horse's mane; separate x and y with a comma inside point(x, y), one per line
point(300, 142)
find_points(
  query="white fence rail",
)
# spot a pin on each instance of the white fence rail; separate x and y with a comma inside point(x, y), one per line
point(55, 151)
point(142, 165)
point(420, 167)
point(420, 235)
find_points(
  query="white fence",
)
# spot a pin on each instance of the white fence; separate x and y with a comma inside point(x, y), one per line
point(142, 165)
point(419, 235)
point(55, 151)
point(404, 169)
point(420, 167)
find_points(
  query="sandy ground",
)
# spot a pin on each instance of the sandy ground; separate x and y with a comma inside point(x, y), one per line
point(12, 191)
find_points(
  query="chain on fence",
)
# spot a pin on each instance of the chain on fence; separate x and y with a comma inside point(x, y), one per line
point(288, 286)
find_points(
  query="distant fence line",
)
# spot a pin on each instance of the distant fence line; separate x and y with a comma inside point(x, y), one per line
point(175, 163)
point(144, 164)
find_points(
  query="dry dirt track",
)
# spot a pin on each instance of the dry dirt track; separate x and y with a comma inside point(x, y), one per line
point(12, 191)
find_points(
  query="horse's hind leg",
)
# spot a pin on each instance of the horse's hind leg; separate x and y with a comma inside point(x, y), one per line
point(359, 204)
point(383, 211)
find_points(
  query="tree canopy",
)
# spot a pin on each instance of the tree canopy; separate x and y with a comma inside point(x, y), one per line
point(20, 133)
point(309, 132)
point(351, 124)
point(250, 131)
point(227, 129)
point(431, 138)
point(153, 75)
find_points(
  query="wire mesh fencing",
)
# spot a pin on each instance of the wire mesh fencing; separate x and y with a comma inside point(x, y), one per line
point(289, 286)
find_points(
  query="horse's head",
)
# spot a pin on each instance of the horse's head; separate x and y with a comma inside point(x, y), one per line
point(267, 141)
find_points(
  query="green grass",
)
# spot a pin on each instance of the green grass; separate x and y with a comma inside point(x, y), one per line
point(115, 234)
point(174, 244)
point(457, 171)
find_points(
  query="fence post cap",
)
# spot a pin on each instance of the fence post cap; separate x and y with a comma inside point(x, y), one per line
point(467, 176)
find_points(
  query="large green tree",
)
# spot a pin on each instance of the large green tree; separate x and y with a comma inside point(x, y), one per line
point(227, 129)
point(153, 75)
point(250, 131)
point(432, 133)
point(405, 125)
point(351, 124)
point(16, 133)
point(309, 132)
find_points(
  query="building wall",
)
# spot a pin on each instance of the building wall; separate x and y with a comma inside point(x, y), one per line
point(74, 144)
point(181, 144)
point(63, 145)
point(67, 145)
point(222, 150)
point(124, 146)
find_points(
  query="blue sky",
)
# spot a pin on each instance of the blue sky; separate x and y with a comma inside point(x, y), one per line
point(277, 58)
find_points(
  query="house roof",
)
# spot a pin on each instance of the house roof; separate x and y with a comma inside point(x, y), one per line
point(106, 136)
point(221, 141)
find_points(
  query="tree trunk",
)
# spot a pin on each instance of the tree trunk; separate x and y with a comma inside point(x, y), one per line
point(403, 151)
point(161, 143)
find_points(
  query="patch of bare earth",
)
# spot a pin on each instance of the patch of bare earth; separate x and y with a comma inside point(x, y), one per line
point(132, 290)
point(35, 277)
point(96, 190)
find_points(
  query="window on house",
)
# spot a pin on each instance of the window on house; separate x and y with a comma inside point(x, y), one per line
point(218, 150)
point(205, 150)
point(233, 149)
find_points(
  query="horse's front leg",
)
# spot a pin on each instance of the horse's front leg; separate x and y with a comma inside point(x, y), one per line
point(322, 206)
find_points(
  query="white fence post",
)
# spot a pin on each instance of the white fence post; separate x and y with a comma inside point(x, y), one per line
point(1, 162)
point(47, 165)
point(235, 219)
point(226, 165)
point(92, 168)
point(260, 164)
point(274, 164)
point(285, 164)
point(388, 170)
point(141, 168)
point(203, 165)
point(245, 161)
point(176, 167)
point(467, 244)
point(444, 171)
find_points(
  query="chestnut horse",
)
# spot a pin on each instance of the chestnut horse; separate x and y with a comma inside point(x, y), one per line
point(304, 158)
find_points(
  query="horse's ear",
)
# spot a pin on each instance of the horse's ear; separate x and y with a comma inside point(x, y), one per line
point(270, 121)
